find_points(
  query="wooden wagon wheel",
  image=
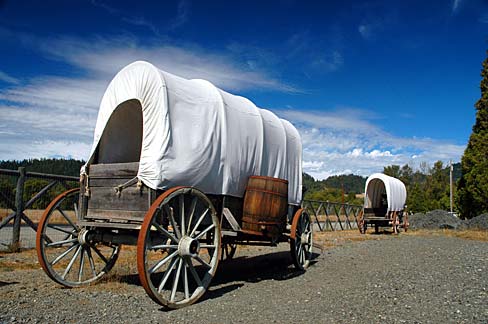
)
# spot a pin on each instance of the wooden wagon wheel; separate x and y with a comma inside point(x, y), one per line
point(362, 223)
point(405, 222)
point(301, 239)
point(178, 248)
point(228, 251)
point(64, 249)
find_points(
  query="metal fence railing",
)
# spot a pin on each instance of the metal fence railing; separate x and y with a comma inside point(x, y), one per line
point(23, 198)
point(331, 216)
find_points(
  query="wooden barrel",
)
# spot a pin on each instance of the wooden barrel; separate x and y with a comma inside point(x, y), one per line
point(265, 206)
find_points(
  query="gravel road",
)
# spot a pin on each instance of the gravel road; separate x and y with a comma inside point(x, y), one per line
point(398, 279)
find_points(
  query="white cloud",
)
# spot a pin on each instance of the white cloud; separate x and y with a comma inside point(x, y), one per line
point(55, 116)
point(106, 57)
point(365, 31)
point(4, 77)
point(455, 5)
point(182, 13)
point(49, 112)
point(348, 140)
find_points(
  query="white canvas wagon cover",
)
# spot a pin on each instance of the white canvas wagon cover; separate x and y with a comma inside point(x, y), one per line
point(193, 134)
point(378, 184)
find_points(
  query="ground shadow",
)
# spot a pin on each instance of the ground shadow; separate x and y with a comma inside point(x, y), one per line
point(234, 273)
point(4, 283)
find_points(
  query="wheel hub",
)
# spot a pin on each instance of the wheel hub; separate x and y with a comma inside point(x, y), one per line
point(188, 246)
point(83, 236)
point(304, 237)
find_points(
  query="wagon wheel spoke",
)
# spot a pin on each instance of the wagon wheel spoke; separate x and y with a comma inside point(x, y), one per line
point(176, 280)
point(185, 276)
point(161, 229)
point(192, 212)
point(164, 246)
point(82, 264)
point(65, 253)
point(167, 275)
point(182, 214)
point(72, 261)
point(57, 228)
point(194, 273)
point(202, 262)
point(60, 243)
point(199, 222)
point(170, 212)
point(68, 219)
point(191, 250)
point(200, 235)
point(158, 265)
point(91, 262)
point(100, 255)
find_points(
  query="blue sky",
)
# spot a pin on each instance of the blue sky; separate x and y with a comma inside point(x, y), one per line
point(367, 83)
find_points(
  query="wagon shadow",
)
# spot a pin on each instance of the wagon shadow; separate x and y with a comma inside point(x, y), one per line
point(233, 274)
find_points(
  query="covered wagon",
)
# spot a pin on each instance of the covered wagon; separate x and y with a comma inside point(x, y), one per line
point(384, 204)
point(184, 171)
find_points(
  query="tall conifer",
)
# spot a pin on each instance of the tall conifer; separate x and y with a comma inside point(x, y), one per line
point(472, 195)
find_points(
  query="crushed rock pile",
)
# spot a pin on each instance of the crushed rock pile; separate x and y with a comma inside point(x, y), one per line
point(441, 219)
point(478, 222)
point(434, 220)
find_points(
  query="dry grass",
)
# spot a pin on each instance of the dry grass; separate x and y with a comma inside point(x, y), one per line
point(476, 235)
point(25, 260)
point(337, 238)
point(126, 265)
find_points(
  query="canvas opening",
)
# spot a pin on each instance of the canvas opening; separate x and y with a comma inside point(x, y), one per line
point(121, 140)
point(377, 194)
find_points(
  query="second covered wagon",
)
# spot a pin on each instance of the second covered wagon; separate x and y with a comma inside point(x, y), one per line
point(184, 171)
point(384, 204)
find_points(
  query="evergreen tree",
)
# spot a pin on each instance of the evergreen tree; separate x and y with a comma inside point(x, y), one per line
point(472, 194)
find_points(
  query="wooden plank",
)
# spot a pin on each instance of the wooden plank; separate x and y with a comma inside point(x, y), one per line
point(114, 170)
point(113, 215)
point(107, 182)
point(110, 225)
point(130, 198)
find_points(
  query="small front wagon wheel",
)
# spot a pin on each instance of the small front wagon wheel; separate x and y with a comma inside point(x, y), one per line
point(301, 239)
point(63, 249)
point(178, 248)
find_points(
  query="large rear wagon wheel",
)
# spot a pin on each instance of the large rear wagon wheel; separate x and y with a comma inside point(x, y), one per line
point(301, 239)
point(178, 248)
point(64, 250)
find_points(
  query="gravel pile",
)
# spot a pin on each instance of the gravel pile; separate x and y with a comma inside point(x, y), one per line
point(399, 279)
point(478, 222)
point(436, 219)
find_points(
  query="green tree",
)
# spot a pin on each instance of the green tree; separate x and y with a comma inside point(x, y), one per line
point(472, 194)
point(392, 171)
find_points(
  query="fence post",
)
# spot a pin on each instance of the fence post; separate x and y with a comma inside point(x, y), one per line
point(19, 206)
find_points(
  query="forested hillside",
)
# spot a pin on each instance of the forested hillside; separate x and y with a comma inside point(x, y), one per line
point(341, 188)
point(53, 166)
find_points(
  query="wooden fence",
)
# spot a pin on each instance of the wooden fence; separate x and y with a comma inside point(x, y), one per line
point(18, 206)
point(331, 216)
point(14, 200)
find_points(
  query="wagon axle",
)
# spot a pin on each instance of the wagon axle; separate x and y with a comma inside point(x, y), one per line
point(188, 246)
